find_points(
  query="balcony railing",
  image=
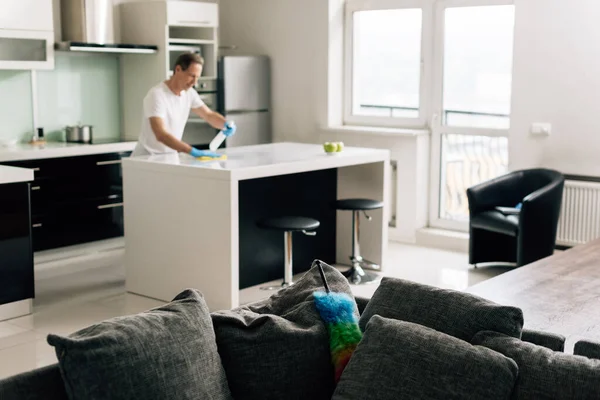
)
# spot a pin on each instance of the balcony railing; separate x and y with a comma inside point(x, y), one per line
point(396, 111)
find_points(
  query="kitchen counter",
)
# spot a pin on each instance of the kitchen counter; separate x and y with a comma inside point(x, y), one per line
point(26, 151)
point(14, 174)
point(259, 161)
point(191, 223)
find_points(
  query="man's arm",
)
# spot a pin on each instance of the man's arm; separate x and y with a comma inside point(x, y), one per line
point(214, 119)
point(158, 127)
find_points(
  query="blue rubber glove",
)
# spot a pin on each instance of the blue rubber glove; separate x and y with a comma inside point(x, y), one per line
point(203, 153)
point(229, 129)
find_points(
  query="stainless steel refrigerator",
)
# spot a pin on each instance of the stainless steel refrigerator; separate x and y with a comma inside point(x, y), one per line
point(245, 97)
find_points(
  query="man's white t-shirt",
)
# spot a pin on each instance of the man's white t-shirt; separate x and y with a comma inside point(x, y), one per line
point(174, 111)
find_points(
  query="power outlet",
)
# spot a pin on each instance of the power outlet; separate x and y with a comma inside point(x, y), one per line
point(541, 129)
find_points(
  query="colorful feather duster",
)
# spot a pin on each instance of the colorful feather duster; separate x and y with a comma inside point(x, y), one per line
point(337, 311)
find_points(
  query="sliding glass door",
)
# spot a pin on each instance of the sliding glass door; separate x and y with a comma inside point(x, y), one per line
point(473, 48)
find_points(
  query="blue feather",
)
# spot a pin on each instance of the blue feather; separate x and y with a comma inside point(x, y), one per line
point(335, 307)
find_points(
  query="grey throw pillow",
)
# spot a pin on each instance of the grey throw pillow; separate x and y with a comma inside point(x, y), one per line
point(543, 373)
point(455, 313)
point(402, 360)
point(168, 352)
point(279, 348)
point(587, 348)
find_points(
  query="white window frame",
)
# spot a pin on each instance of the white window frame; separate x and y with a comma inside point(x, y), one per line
point(426, 7)
point(437, 129)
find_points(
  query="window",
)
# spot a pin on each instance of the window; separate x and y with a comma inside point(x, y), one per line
point(445, 65)
point(385, 59)
point(477, 66)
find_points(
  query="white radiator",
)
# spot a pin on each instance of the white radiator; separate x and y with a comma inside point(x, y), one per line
point(579, 220)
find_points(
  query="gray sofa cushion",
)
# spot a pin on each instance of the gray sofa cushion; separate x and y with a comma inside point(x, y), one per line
point(40, 384)
point(279, 348)
point(455, 313)
point(402, 360)
point(543, 373)
point(552, 341)
point(587, 348)
point(168, 352)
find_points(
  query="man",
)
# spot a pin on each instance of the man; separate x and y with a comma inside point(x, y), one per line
point(167, 107)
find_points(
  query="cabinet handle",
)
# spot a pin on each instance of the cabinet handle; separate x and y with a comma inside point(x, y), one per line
point(115, 205)
point(36, 225)
point(36, 169)
point(108, 162)
point(35, 187)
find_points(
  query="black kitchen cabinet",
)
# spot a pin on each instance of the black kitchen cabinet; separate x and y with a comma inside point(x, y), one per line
point(76, 199)
point(16, 254)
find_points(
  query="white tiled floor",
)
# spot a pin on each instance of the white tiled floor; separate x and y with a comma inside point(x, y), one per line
point(82, 293)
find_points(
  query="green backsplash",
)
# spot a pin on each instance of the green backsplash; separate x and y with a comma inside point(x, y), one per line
point(82, 89)
point(16, 107)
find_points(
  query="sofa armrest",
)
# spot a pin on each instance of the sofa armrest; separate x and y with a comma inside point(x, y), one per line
point(538, 220)
point(43, 383)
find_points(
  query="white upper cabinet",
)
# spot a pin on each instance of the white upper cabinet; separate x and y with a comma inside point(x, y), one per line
point(191, 13)
point(32, 15)
point(26, 34)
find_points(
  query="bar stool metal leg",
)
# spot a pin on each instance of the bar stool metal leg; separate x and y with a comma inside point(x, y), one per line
point(356, 257)
point(356, 237)
point(288, 272)
point(356, 274)
point(288, 265)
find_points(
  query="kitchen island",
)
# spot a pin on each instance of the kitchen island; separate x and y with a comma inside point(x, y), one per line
point(192, 224)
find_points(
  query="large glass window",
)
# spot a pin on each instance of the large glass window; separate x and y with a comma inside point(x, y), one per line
point(387, 63)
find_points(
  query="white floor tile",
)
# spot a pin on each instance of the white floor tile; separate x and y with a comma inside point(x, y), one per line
point(128, 303)
point(12, 335)
point(25, 357)
point(64, 319)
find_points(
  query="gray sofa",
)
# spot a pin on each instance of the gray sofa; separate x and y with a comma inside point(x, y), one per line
point(417, 341)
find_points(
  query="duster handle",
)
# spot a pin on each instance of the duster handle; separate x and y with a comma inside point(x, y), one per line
point(319, 263)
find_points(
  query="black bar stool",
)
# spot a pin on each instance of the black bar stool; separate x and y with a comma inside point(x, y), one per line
point(288, 225)
point(356, 274)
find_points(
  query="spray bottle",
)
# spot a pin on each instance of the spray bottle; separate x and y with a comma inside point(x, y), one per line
point(217, 141)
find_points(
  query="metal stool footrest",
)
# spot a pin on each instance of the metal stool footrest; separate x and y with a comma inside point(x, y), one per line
point(357, 276)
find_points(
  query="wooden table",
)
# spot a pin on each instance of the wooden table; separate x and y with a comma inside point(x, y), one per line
point(559, 294)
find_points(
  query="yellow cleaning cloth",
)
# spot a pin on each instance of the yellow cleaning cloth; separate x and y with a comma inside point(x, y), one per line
point(205, 158)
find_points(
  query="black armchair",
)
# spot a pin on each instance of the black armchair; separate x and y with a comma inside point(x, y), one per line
point(499, 232)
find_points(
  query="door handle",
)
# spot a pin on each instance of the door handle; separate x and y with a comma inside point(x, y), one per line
point(108, 162)
point(114, 205)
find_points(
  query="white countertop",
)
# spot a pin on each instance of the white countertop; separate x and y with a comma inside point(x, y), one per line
point(256, 161)
point(26, 151)
point(14, 174)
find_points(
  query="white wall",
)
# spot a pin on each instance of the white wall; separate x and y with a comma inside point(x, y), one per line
point(294, 34)
point(556, 79)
